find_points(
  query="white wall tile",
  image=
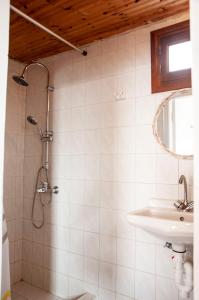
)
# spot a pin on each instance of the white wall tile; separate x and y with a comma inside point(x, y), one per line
point(108, 219)
point(143, 74)
point(126, 253)
point(63, 238)
point(61, 286)
point(91, 245)
point(125, 138)
point(124, 229)
point(106, 295)
point(27, 272)
point(76, 266)
point(145, 174)
point(147, 284)
point(76, 288)
point(121, 297)
point(164, 164)
point(145, 257)
point(108, 249)
point(37, 254)
point(63, 262)
point(50, 281)
point(27, 251)
point(186, 168)
point(145, 142)
point(108, 141)
point(166, 191)
point(164, 263)
point(166, 289)
point(91, 271)
point(143, 57)
point(144, 193)
point(76, 241)
point(37, 276)
point(125, 281)
point(107, 276)
point(50, 257)
point(143, 236)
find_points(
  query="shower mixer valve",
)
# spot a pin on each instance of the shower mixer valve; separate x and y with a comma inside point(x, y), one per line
point(47, 136)
point(46, 188)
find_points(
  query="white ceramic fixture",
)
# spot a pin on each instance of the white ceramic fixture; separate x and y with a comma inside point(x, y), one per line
point(175, 227)
point(165, 223)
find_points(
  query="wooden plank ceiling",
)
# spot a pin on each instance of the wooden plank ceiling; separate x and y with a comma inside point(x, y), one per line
point(80, 22)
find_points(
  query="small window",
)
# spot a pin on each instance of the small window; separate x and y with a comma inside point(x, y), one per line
point(171, 58)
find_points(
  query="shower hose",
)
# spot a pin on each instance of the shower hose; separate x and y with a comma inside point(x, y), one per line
point(38, 194)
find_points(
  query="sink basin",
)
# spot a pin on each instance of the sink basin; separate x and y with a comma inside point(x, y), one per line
point(165, 223)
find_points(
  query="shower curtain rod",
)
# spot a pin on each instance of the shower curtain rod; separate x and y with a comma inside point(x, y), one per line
point(31, 20)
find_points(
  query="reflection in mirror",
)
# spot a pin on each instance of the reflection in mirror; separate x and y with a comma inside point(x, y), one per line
point(173, 124)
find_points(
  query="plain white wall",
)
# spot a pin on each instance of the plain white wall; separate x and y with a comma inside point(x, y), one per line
point(4, 40)
point(195, 86)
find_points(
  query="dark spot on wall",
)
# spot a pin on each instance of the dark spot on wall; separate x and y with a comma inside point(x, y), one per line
point(67, 7)
point(51, 1)
point(162, 9)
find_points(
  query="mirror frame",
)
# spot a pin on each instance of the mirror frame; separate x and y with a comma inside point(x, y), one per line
point(184, 92)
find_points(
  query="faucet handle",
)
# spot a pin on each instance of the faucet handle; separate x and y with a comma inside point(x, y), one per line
point(190, 207)
point(178, 204)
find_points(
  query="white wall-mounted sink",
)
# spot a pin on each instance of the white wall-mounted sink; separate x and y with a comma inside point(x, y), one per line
point(165, 223)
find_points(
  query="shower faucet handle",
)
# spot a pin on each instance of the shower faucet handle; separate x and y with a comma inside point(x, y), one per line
point(44, 187)
point(49, 133)
point(55, 189)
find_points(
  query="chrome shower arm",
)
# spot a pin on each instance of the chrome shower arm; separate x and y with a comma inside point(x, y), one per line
point(38, 64)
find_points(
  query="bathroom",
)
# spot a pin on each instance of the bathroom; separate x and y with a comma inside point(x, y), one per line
point(84, 151)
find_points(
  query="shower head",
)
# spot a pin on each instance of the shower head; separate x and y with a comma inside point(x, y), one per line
point(32, 120)
point(20, 80)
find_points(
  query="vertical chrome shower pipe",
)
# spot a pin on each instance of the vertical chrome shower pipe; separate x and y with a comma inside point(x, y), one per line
point(47, 133)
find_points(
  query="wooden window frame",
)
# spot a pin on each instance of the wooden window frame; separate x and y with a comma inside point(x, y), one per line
point(162, 79)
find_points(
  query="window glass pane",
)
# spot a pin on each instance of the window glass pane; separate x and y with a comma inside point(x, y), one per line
point(180, 56)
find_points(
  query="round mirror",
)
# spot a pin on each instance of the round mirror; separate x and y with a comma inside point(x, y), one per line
point(173, 124)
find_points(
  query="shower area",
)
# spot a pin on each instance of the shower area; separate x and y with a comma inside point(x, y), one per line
point(27, 187)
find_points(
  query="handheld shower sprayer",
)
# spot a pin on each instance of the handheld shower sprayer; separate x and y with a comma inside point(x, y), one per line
point(34, 122)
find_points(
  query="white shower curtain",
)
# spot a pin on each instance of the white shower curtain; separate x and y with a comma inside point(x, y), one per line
point(5, 283)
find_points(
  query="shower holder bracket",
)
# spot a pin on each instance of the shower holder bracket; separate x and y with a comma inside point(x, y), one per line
point(51, 88)
point(47, 136)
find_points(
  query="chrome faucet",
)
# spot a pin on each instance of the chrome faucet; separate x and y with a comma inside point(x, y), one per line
point(181, 181)
point(184, 205)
